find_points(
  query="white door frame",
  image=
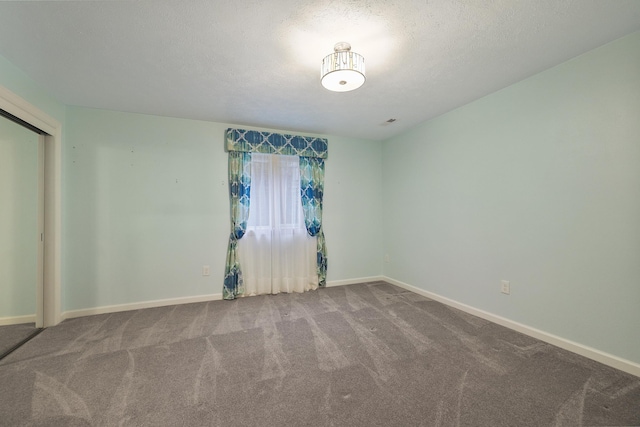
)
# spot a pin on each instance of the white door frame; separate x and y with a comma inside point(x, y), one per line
point(49, 310)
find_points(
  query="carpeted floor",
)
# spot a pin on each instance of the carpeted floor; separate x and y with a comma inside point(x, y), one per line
point(360, 355)
point(11, 335)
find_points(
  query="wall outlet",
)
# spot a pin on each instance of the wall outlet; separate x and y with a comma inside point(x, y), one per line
point(386, 258)
point(205, 270)
point(505, 287)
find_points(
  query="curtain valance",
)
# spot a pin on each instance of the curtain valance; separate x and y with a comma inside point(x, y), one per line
point(253, 141)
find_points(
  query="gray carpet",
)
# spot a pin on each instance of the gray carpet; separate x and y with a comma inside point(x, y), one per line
point(11, 335)
point(361, 355)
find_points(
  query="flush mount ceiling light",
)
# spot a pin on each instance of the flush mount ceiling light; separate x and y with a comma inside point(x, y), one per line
point(342, 70)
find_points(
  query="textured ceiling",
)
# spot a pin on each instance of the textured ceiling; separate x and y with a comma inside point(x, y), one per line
point(256, 62)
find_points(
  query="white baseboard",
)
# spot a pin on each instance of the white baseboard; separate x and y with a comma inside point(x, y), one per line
point(16, 320)
point(138, 305)
point(333, 283)
point(583, 350)
point(183, 300)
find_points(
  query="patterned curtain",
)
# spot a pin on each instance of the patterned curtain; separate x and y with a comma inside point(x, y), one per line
point(239, 197)
point(312, 151)
point(311, 191)
point(253, 141)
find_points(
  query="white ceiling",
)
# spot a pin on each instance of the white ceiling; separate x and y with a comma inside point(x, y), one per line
point(257, 62)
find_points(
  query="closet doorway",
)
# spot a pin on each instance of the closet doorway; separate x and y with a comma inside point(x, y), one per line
point(50, 300)
point(21, 231)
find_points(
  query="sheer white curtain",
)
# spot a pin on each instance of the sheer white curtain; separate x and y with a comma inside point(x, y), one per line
point(277, 253)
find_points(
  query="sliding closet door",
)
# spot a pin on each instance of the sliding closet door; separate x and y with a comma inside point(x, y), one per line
point(21, 214)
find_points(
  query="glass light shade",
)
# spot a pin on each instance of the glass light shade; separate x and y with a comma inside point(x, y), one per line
point(342, 70)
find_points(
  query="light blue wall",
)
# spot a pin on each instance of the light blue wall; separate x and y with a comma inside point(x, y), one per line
point(353, 208)
point(538, 184)
point(146, 206)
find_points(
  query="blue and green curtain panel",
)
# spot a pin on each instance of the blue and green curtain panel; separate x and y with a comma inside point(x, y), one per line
point(312, 153)
point(239, 198)
point(311, 192)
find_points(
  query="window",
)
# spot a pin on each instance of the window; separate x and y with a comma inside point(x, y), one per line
point(276, 239)
point(277, 253)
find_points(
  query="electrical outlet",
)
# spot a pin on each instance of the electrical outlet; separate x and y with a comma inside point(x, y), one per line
point(205, 270)
point(505, 287)
point(386, 258)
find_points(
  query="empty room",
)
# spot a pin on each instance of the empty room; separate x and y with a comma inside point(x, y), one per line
point(320, 213)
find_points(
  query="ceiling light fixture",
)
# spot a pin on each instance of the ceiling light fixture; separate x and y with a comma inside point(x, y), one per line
point(342, 70)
